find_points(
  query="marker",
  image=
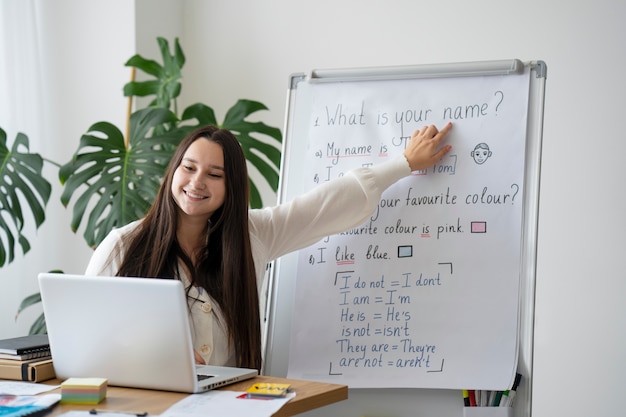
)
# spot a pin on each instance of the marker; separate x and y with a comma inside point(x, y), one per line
point(496, 400)
point(484, 398)
point(504, 400)
point(466, 400)
point(513, 391)
point(472, 397)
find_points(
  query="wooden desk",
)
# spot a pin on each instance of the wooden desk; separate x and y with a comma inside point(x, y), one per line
point(309, 395)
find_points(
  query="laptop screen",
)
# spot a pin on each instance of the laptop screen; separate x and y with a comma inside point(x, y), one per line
point(133, 331)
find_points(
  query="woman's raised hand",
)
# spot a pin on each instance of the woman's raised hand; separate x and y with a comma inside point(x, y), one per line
point(423, 150)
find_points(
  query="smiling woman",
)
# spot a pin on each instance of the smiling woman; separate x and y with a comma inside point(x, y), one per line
point(198, 185)
point(197, 231)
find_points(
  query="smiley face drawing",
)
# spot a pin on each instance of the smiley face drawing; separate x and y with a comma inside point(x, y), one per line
point(481, 153)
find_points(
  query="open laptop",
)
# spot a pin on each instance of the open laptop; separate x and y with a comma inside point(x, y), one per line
point(133, 331)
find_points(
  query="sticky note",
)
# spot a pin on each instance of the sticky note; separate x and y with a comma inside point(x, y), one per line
point(83, 390)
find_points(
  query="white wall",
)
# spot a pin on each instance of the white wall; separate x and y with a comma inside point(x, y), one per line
point(248, 49)
point(82, 47)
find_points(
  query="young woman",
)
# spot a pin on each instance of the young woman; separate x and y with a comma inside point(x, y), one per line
point(200, 230)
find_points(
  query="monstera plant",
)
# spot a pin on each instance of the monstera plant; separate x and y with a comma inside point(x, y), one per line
point(20, 174)
point(120, 176)
point(113, 178)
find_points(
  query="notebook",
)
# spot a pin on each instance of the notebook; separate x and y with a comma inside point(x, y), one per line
point(133, 331)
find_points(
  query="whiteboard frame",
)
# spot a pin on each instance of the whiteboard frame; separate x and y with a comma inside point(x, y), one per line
point(280, 293)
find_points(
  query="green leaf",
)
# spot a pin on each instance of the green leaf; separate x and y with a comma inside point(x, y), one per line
point(166, 87)
point(255, 195)
point(203, 114)
point(27, 302)
point(148, 66)
point(21, 181)
point(117, 185)
point(39, 325)
point(253, 148)
point(142, 88)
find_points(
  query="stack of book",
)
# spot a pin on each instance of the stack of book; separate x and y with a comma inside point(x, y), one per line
point(26, 358)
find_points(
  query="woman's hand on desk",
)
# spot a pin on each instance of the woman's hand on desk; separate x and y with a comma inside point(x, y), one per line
point(199, 359)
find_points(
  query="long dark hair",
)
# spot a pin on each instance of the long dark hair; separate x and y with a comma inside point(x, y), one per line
point(226, 268)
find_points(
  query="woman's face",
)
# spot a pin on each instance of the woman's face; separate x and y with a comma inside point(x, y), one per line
point(198, 185)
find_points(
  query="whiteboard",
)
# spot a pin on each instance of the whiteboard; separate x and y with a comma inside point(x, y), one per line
point(450, 252)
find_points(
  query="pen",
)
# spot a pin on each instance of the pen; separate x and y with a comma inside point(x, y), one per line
point(132, 413)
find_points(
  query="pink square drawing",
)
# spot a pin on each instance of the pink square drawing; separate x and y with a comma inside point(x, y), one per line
point(479, 227)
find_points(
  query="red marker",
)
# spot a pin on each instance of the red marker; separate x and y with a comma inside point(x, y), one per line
point(472, 397)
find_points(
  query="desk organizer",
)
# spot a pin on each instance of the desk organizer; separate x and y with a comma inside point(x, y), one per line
point(487, 412)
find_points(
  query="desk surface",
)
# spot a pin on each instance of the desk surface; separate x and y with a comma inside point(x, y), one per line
point(309, 395)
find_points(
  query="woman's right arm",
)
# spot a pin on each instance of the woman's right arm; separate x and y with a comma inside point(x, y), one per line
point(344, 202)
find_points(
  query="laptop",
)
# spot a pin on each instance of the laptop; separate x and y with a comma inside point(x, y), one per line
point(132, 331)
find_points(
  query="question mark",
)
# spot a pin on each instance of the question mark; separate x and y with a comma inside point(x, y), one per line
point(516, 191)
point(501, 99)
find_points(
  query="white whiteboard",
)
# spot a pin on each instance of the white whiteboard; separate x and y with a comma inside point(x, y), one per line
point(447, 274)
